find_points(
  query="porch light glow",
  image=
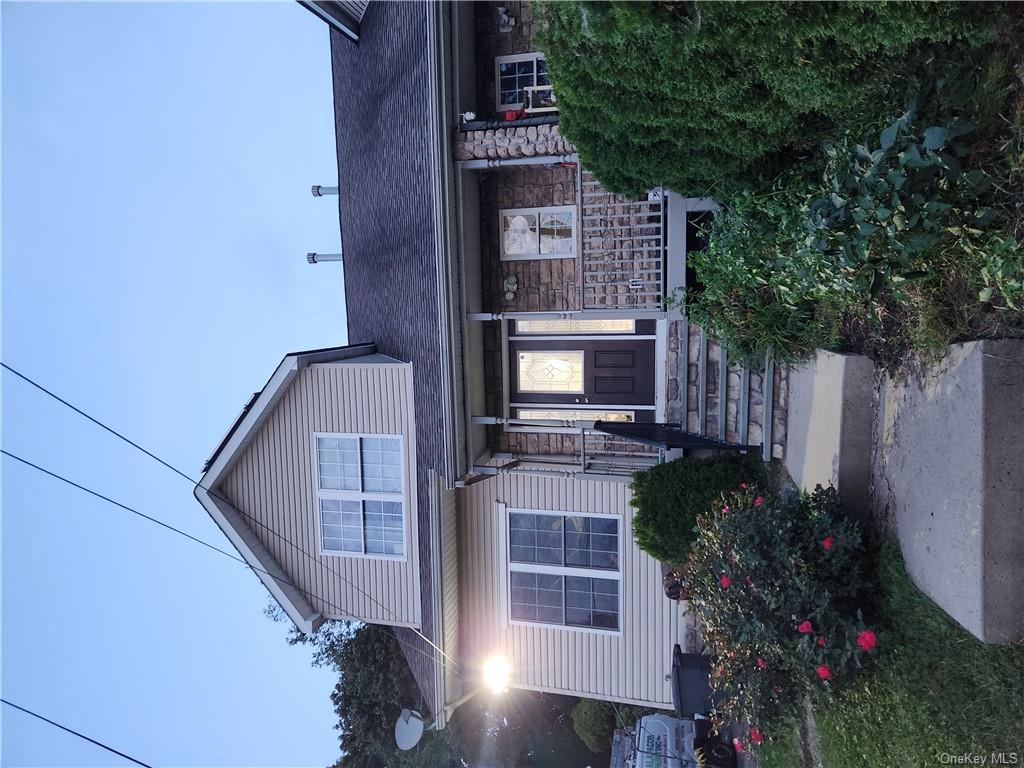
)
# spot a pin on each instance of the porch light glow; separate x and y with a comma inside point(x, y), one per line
point(497, 672)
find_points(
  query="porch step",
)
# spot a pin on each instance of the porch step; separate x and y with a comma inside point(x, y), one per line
point(717, 398)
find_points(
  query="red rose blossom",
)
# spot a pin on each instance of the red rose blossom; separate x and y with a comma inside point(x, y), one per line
point(759, 501)
point(749, 582)
point(867, 640)
point(762, 664)
point(726, 509)
point(738, 744)
point(725, 581)
point(805, 628)
point(824, 672)
point(821, 641)
point(744, 486)
point(828, 542)
point(755, 736)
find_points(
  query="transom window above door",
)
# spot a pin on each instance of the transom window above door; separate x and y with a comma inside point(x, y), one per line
point(514, 74)
point(538, 233)
point(360, 494)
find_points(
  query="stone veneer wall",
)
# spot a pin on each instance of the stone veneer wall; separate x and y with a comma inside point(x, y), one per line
point(512, 142)
point(490, 43)
point(542, 284)
point(685, 395)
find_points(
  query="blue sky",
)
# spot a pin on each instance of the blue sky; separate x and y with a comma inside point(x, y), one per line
point(157, 160)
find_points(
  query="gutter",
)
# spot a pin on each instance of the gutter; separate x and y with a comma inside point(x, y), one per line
point(445, 259)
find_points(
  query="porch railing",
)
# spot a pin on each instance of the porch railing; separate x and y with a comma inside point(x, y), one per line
point(611, 455)
point(622, 249)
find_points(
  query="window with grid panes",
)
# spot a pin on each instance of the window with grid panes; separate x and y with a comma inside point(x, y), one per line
point(514, 74)
point(360, 494)
point(564, 569)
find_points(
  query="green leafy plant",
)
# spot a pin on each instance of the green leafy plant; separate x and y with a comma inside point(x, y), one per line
point(712, 96)
point(668, 497)
point(787, 270)
point(780, 587)
point(595, 721)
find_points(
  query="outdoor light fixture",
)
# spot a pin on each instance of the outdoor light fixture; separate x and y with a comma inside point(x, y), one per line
point(497, 672)
point(467, 117)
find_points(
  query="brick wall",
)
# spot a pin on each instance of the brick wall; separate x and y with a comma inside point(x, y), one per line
point(542, 284)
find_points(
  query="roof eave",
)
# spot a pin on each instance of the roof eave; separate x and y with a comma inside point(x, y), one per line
point(233, 521)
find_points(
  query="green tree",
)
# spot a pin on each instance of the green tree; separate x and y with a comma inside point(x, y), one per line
point(705, 97)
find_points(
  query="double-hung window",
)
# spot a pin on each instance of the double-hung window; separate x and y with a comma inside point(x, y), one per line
point(564, 569)
point(538, 233)
point(360, 494)
point(514, 74)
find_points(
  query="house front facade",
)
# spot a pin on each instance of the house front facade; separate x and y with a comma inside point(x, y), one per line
point(461, 472)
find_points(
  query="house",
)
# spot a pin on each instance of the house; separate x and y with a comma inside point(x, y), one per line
point(461, 471)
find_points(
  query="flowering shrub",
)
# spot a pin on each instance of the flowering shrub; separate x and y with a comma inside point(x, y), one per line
point(668, 497)
point(781, 588)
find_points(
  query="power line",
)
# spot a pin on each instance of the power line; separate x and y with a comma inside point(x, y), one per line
point(116, 503)
point(76, 733)
point(223, 498)
point(149, 518)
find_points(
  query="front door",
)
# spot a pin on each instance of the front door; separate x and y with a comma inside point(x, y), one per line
point(582, 372)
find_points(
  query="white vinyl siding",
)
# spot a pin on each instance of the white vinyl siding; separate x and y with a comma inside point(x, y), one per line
point(276, 481)
point(628, 666)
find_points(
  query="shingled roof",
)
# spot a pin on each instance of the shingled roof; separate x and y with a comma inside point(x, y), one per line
point(382, 98)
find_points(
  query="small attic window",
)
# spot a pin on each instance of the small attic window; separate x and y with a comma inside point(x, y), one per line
point(360, 490)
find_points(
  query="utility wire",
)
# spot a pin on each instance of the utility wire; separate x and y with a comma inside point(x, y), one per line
point(76, 733)
point(189, 536)
point(220, 496)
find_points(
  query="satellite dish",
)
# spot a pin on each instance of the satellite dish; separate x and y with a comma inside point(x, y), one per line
point(408, 729)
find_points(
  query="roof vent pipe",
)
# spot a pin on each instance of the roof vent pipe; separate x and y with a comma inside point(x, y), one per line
point(319, 191)
point(316, 258)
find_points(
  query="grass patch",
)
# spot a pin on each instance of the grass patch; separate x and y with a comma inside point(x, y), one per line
point(940, 690)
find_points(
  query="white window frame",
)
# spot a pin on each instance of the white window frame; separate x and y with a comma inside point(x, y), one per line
point(561, 570)
point(513, 59)
point(538, 212)
point(345, 495)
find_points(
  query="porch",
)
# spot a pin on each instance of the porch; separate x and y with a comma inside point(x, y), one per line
point(549, 255)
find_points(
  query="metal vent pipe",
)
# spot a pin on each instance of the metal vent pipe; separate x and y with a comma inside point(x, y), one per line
point(316, 258)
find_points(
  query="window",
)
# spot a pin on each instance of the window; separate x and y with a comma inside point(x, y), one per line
point(568, 414)
point(360, 494)
point(564, 569)
point(578, 325)
point(514, 74)
point(538, 233)
point(551, 371)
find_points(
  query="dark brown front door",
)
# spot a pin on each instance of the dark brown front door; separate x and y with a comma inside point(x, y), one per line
point(582, 372)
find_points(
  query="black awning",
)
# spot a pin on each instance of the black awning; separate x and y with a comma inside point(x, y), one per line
point(666, 436)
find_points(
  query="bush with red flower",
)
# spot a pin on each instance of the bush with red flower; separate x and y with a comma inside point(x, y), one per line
point(796, 616)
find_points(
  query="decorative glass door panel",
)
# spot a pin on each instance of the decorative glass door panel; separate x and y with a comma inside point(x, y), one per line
point(593, 372)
